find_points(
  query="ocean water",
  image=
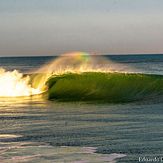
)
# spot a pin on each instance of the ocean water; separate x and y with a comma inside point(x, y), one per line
point(34, 129)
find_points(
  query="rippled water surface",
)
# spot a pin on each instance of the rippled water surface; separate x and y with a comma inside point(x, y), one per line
point(46, 131)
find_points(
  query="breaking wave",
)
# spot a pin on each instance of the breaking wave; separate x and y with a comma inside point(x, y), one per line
point(82, 77)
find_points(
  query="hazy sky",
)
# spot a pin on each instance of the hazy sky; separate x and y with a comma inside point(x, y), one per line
point(50, 27)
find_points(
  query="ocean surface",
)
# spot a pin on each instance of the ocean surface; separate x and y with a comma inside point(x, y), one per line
point(34, 129)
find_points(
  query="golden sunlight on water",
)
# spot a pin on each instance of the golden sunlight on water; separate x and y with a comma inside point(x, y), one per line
point(14, 84)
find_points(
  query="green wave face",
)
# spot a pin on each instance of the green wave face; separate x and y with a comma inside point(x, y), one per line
point(108, 87)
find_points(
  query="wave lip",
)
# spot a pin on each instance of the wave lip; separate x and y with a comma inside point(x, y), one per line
point(100, 86)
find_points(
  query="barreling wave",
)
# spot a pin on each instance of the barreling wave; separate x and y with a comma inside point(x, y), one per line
point(106, 87)
point(79, 76)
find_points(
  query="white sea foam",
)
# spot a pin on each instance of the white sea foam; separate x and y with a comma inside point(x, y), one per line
point(35, 152)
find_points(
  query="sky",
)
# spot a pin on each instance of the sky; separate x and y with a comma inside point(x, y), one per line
point(53, 27)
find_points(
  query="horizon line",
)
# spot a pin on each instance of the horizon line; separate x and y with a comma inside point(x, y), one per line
point(57, 55)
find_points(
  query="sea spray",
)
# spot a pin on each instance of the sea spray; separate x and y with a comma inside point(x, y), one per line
point(78, 62)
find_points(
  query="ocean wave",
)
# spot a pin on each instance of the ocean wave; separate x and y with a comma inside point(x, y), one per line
point(101, 86)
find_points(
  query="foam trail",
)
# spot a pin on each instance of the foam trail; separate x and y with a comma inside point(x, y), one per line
point(42, 152)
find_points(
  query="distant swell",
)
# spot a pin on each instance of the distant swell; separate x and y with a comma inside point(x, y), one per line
point(106, 87)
